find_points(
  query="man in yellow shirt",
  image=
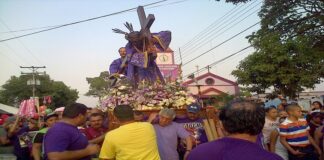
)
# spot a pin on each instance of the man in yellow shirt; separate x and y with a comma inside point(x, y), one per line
point(132, 140)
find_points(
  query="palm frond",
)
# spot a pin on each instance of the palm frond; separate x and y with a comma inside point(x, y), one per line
point(129, 26)
point(116, 30)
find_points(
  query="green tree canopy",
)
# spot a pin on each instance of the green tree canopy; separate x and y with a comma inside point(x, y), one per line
point(289, 47)
point(16, 89)
point(98, 85)
point(287, 67)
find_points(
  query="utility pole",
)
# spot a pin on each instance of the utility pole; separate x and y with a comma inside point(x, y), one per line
point(197, 67)
point(34, 73)
point(180, 67)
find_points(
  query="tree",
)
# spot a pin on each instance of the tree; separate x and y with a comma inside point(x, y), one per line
point(16, 89)
point(287, 67)
point(289, 47)
point(98, 85)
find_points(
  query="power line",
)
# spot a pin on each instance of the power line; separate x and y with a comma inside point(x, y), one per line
point(34, 73)
point(167, 4)
point(219, 61)
point(86, 20)
point(199, 45)
point(37, 28)
point(216, 24)
point(15, 53)
point(204, 39)
point(222, 43)
point(28, 29)
point(9, 59)
point(28, 50)
point(210, 26)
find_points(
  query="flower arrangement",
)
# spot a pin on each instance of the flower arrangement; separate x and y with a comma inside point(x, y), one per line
point(147, 96)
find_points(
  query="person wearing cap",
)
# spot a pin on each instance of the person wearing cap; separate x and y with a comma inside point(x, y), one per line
point(168, 133)
point(37, 152)
point(194, 125)
point(132, 140)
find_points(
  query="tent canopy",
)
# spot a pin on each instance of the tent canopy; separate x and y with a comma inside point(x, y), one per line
point(8, 109)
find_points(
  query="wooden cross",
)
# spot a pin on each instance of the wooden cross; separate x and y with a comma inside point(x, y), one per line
point(146, 22)
point(208, 68)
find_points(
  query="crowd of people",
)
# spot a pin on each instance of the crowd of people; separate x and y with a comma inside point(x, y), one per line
point(247, 131)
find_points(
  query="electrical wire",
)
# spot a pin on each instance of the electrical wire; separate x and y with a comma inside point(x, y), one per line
point(28, 50)
point(219, 61)
point(221, 43)
point(212, 36)
point(82, 21)
point(195, 48)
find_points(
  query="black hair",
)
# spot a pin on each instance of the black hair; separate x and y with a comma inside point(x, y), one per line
point(291, 107)
point(319, 103)
point(74, 110)
point(269, 108)
point(96, 114)
point(124, 113)
point(243, 117)
point(120, 48)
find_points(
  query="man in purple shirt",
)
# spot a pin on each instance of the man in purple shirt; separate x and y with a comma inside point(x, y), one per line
point(167, 135)
point(65, 141)
point(116, 65)
point(243, 121)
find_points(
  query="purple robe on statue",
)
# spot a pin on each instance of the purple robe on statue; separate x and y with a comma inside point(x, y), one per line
point(115, 66)
point(141, 65)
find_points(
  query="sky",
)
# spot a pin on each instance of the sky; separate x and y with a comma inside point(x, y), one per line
point(82, 50)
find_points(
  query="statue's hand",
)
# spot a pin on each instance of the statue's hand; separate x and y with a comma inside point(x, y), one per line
point(152, 49)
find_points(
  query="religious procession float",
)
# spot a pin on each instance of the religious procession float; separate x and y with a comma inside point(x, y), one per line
point(136, 79)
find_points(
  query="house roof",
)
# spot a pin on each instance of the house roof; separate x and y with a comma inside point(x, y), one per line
point(211, 90)
point(209, 75)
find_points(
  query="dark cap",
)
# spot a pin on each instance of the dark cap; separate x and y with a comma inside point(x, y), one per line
point(48, 116)
point(193, 108)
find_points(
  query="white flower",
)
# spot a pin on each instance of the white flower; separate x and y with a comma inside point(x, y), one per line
point(122, 87)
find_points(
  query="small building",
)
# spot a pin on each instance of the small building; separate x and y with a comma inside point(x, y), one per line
point(210, 84)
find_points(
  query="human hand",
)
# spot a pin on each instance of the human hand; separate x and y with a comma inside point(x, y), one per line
point(92, 149)
point(298, 153)
point(151, 49)
point(152, 117)
point(318, 150)
point(186, 155)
